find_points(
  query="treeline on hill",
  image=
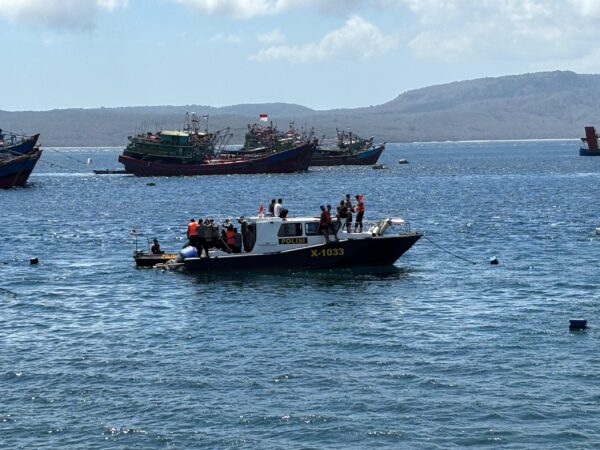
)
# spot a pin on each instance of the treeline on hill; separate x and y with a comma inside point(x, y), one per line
point(538, 105)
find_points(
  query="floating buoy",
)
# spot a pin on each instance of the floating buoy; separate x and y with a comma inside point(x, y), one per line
point(403, 161)
point(150, 184)
point(33, 261)
point(577, 324)
point(88, 161)
point(379, 166)
point(494, 260)
point(598, 230)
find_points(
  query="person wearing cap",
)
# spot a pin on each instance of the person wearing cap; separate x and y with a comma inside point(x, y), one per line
point(155, 249)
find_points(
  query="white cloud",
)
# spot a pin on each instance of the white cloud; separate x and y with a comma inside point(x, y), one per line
point(271, 37)
point(77, 14)
point(451, 30)
point(241, 9)
point(227, 38)
point(357, 38)
point(247, 9)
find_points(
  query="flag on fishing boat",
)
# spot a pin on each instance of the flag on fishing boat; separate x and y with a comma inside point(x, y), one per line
point(263, 117)
point(261, 211)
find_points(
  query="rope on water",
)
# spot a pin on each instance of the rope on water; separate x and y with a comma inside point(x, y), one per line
point(66, 154)
point(6, 291)
point(448, 251)
point(54, 164)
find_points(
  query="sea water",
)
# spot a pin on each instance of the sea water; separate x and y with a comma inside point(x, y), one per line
point(442, 351)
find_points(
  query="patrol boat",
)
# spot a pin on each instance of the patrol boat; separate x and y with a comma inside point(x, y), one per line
point(296, 243)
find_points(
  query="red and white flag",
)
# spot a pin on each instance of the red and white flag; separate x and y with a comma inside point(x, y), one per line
point(261, 211)
point(263, 117)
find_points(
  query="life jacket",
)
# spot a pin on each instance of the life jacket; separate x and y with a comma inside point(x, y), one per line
point(230, 237)
point(325, 218)
point(192, 229)
point(360, 207)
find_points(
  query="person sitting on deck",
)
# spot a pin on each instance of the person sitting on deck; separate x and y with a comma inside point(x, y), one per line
point(155, 249)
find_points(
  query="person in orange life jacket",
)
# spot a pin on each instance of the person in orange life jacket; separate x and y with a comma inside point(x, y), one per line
point(360, 212)
point(192, 232)
point(230, 238)
point(324, 222)
point(155, 249)
point(349, 209)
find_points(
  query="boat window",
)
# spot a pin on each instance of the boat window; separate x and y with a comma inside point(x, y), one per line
point(290, 229)
point(313, 228)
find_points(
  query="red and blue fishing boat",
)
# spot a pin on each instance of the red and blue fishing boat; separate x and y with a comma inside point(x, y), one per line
point(295, 159)
point(18, 157)
point(193, 152)
point(349, 150)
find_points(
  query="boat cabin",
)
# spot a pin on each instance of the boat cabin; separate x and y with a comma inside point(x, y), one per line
point(273, 234)
point(174, 137)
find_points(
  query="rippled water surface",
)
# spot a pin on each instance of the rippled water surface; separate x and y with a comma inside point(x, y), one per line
point(434, 353)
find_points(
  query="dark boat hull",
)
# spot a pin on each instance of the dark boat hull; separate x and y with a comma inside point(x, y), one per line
point(143, 259)
point(332, 158)
point(380, 251)
point(286, 161)
point(15, 171)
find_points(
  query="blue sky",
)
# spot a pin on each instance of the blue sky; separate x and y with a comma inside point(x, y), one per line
point(323, 54)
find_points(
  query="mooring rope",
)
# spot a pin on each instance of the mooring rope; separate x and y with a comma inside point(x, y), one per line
point(6, 291)
point(448, 251)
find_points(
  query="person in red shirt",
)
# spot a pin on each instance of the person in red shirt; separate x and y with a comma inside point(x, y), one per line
point(324, 222)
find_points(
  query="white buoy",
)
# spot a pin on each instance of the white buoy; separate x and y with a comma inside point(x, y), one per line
point(88, 161)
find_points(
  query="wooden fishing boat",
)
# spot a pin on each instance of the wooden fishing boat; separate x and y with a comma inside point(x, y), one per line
point(13, 144)
point(349, 149)
point(15, 170)
point(294, 159)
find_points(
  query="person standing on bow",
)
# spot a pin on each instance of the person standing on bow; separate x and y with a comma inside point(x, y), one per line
point(349, 209)
point(360, 212)
point(324, 223)
point(192, 233)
